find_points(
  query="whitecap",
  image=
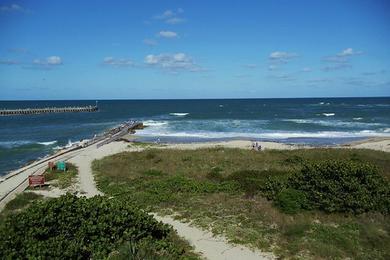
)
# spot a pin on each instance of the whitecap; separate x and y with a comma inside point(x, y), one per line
point(328, 114)
point(154, 123)
point(178, 114)
point(47, 143)
point(357, 118)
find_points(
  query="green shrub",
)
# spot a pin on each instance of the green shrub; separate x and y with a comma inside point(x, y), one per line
point(272, 187)
point(78, 228)
point(249, 180)
point(291, 201)
point(343, 186)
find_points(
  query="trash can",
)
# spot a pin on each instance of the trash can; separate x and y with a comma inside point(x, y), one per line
point(61, 166)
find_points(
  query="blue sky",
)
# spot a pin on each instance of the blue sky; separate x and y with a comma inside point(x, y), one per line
point(193, 49)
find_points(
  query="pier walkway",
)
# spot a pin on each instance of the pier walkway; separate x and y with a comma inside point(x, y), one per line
point(47, 110)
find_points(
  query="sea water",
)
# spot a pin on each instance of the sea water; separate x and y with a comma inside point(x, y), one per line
point(315, 121)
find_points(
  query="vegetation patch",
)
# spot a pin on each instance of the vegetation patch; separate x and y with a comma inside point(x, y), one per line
point(342, 186)
point(79, 228)
point(20, 202)
point(249, 197)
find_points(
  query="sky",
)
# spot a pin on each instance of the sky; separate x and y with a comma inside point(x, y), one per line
point(51, 49)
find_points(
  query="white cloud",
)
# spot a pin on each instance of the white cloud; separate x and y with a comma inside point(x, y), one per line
point(348, 52)
point(54, 60)
point(49, 61)
point(306, 69)
point(150, 42)
point(172, 62)
point(171, 16)
point(281, 56)
point(111, 61)
point(168, 34)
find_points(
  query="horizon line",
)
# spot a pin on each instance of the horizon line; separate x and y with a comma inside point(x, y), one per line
point(160, 99)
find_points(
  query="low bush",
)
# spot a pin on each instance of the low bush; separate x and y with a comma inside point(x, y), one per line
point(272, 187)
point(343, 186)
point(80, 228)
point(291, 201)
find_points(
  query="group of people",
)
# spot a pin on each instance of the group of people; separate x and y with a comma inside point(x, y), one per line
point(256, 146)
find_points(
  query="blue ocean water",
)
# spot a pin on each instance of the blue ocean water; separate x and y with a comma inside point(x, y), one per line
point(308, 120)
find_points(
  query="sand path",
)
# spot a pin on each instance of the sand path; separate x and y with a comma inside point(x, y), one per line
point(210, 247)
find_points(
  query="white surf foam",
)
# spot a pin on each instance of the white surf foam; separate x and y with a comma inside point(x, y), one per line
point(266, 135)
point(328, 114)
point(336, 123)
point(155, 123)
point(178, 114)
point(47, 143)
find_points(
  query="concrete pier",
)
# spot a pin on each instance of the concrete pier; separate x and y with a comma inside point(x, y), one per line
point(47, 110)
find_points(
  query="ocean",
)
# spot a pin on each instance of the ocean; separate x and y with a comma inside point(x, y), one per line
point(315, 121)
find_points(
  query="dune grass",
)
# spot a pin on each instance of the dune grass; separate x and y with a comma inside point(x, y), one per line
point(203, 186)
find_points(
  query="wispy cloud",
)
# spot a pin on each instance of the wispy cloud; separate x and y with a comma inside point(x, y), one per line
point(9, 62)
point(283, 77)
point(272, 67)
point(49, 61)
point(250, 66)
point(18, 50)
point(306, 69)
point(281, 56)
point(175, 20)
point(337, 66)
point(319, 81)
point(349, 52)
point(167, 34)
point(45, 63)
point(12, 8)
point(150, 42)
point(341, 60)
point(172, 62)
point(118, 63)
point(242, 76)
point(171, 16)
